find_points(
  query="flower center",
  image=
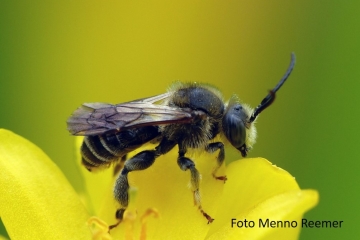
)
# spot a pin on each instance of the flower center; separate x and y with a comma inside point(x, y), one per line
point(100, 229)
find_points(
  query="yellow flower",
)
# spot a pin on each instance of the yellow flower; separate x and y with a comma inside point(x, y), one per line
point(37, 202)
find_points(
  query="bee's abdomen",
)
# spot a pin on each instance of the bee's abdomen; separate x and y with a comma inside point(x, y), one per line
point(100, 151)
point(95, 154)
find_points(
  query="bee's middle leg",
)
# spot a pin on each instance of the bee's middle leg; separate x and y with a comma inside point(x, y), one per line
point(187, 164)
point(212, 147)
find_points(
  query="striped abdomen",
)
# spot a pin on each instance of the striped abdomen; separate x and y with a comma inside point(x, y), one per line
point(100, 151)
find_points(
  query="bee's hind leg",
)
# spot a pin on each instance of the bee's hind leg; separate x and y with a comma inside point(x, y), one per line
point(140, 161)
point(212, 147)
point(187, 164)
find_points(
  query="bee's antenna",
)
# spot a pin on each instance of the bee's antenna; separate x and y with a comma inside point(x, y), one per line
point(269, 99)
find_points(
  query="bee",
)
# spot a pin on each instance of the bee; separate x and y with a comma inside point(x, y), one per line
point(189, 115)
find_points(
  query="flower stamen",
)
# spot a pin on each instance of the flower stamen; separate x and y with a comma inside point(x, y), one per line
point(99, 229)
point(144, 218)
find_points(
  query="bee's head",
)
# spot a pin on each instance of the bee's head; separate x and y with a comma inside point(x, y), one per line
point(237, 128)
point(238, 120)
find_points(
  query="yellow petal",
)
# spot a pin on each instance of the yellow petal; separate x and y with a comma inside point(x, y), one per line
point(37, 201)
point(288, 206)
point(250, 181)
point(251, 184)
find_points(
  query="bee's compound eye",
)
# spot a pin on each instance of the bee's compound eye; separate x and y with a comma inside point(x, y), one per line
point(233, 124)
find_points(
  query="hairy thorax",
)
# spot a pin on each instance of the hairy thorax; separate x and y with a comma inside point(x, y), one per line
point(206, 105)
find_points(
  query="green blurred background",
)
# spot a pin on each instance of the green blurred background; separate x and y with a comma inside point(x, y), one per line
point(56, 55)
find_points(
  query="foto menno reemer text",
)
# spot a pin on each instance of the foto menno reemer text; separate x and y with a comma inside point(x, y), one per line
point(268, 223)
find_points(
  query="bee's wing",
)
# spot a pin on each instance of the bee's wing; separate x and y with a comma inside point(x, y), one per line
point(98, 118)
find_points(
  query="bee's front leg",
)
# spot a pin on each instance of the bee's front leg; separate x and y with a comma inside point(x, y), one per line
point(212, 147)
